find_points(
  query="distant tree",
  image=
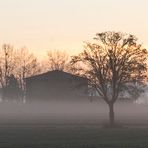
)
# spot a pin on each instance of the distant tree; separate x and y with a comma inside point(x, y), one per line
point(135, 90)
point(58, 60)
point(111, 63)
point(19, 63)
point(26, 65)
point(6, 64)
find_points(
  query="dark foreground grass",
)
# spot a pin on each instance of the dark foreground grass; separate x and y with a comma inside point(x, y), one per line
point(70, 136)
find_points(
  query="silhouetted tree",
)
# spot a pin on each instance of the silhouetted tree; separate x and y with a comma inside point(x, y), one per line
point(26, 65)
point(58, 60)
point(21, 63)
point(7, 65)
point(111, 63)
point(135, 89)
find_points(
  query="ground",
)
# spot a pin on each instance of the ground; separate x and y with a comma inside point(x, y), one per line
point(72, 126)
point(63, 136)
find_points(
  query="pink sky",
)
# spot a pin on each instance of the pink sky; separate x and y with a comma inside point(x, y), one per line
point(41, 25)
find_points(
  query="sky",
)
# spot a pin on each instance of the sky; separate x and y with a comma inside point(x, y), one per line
point(42, 25)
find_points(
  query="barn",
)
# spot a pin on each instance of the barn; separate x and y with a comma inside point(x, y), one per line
point(54, 85)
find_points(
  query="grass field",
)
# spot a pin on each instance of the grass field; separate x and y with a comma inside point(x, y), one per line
point(64, 136)
point(72, 126)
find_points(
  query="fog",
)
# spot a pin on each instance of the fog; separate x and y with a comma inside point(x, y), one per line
point(68, 113)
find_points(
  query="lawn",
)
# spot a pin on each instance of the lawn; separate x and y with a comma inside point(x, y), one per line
point(70, 136)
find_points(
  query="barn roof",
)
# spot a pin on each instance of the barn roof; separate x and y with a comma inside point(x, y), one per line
point(54, 74)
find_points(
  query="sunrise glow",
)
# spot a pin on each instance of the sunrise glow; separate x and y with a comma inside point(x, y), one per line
point(41, 25)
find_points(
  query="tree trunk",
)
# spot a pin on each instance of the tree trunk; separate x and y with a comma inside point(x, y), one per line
point(111, 114)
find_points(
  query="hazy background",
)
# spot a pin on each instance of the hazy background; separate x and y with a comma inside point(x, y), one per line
point(72, 113)
point(41, 25)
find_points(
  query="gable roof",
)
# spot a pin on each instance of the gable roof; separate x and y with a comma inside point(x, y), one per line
point(54, 74)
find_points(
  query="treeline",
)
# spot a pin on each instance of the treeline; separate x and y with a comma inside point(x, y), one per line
point(17, 64)
point(114, 64)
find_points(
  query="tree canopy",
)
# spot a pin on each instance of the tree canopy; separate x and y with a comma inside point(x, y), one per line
point(112, 62)
point(58, 60)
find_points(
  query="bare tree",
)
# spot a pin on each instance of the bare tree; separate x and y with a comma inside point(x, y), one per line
point(7, 67)
point(26, 65)
point(112, 62)
point(58, 60)
point(136, 88)
point(6, 63)
point(20, 63)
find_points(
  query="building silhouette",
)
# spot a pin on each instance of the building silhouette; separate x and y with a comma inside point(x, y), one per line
point(55, 85)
